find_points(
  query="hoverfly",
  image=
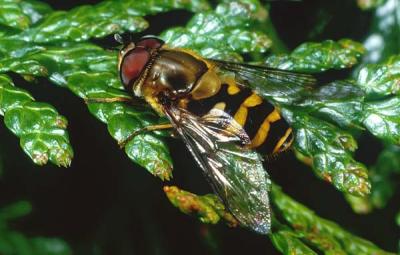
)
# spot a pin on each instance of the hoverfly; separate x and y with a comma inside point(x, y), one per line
point(225, 124)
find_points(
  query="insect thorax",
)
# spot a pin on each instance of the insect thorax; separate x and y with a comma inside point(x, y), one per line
point(175, 71)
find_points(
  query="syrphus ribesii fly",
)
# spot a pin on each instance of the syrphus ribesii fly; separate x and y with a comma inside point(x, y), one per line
point(228, 128)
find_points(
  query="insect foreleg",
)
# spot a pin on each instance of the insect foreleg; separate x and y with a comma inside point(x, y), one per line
point(133, 101)
point(108, 100)
point(145, 129)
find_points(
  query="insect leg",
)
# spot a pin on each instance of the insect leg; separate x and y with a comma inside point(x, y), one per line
point(107, 100)
point(133, 101)
point(145, 129)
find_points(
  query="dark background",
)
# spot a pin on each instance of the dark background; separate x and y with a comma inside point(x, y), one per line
point(105, 204)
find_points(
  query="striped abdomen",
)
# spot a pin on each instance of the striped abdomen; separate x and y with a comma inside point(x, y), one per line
point(268, 131)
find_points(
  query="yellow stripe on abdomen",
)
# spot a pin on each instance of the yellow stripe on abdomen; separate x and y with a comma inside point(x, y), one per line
point(233, 89)
point(220, 106)
point(283, 143)
point(252, 101)
point(241, 114)
point(262, 132)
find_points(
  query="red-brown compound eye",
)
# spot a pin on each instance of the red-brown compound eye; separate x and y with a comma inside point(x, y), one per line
point(150, 43)
point(132, 65)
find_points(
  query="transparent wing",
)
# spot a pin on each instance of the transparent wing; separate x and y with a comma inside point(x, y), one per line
point(236, 174)
point(277, 85)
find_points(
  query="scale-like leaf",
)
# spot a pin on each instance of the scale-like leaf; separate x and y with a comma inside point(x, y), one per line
point(318, 57)
point(381, 79)
point(321, 233)
point(207, 208)
point(383, 176)
point(56, 62)
point(148, 150)
point(22, 14)
point(38, 42)
point(382, 119)
point(90, 72)
point(42, 131)
point(340, 102)
point(223, 33)
point(302, 232)
point(330, 151)
point(288, 243)
point(108, 17)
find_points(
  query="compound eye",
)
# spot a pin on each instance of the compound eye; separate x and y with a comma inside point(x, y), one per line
point(150, 43)
point(133, 64)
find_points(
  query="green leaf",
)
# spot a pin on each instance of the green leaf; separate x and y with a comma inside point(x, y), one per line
point(151, 152)
point(72, 62)
point(330, 151)
point(302, 232)
point(224, 32)
point(383, 181)
point(50, 246)
point(15, 210)
point(39, 126)
point(321, 233)
point(148, 150)
point(382, 176)
point(382, 119)
point(22, 14)
point(288, 243)
point(37, 42)
point(360, 205)
point(318, 57)
point(95, 21)
point(56, 62)
point(379, 80)
point(90, 72)
point(340, 102)
point(13, 242)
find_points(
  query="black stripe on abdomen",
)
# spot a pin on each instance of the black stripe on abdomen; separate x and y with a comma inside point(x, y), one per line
point(276, 131)
point(256, 116)
point(233, 102)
